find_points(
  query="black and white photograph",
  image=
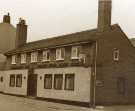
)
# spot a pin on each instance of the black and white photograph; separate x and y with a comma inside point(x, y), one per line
point(67, 55)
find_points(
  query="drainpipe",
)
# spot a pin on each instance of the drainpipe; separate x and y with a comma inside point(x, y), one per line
point(94, 76)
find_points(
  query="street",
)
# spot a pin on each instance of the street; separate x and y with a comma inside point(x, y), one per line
point(13, 103)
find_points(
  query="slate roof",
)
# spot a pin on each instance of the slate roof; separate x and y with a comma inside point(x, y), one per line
point(89, 35)
point(133, 41)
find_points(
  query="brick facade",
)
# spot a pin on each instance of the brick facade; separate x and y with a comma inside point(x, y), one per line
point(109, 70)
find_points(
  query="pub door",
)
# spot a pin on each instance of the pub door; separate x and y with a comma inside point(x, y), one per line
point(32, 85)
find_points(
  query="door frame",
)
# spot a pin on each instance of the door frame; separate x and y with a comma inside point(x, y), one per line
point(32, 85)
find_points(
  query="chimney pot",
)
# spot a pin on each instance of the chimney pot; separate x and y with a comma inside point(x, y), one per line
point(21, 33)
point(6, 18)
point(22, 21)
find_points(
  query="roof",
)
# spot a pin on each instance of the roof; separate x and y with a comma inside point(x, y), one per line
point(88, 35)
point(2, 58)
point(133, 41)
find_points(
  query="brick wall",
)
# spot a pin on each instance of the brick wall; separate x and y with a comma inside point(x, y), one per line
point(109, 70)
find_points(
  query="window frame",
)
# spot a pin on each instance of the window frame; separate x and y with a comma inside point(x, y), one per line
point(13, 59)
point(60, 54)
point(18, 85)
point(66, 77)
point(61, 85)
point(121, 81)
point(10, 82)
point(23, 58)
point(34, 57)
point(45, 77)
point(44, 55)
point(77, 52)
point(116, 52)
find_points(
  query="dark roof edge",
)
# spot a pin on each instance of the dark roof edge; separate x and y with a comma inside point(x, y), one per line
point(125, 35)
point(76, 33)
point(36, 49)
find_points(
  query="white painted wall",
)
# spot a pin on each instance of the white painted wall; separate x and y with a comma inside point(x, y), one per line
point(82, 84)
point(16, 90)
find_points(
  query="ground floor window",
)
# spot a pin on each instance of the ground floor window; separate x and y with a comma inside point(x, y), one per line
point(12, 80)
point(48, 81)
point(69, 81)
point(15, 80)
point(19, 80)
point(121, 85)
point(58, 81)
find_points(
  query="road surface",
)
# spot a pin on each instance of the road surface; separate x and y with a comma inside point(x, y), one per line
point(13, 103)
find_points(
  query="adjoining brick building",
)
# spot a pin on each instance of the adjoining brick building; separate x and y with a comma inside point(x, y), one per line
point(7, 38)
point(7, 34)
point(92, 67)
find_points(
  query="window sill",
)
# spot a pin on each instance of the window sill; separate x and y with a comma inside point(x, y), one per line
point(69, 89)
point(12, 86)
point(34, 62)
point(13, 63)
point(19, 86)
point(45, 60)
point(48, 88)
point(23, 63)
point(74, 58)
point(116, 60)
point(57, 89)
point(59, 59)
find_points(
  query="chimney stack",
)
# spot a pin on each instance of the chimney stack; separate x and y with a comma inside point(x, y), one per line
point(21, 33)
point(104, 15)
point(6, 18)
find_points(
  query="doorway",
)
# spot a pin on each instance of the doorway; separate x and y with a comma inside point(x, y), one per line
point(32, 85)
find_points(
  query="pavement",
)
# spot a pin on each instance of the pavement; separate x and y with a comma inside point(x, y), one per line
point(13, 103)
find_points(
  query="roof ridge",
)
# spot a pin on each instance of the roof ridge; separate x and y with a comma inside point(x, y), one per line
point(55, 37)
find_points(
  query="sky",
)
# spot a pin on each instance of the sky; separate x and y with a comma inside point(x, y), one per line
point(50, 18)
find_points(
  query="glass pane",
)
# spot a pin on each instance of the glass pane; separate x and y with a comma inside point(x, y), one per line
point(19, 80)
point(69, 85)
point(62, 53)
point(57, 53)
point(48, 82)
point(58, 81)
point(12, 80)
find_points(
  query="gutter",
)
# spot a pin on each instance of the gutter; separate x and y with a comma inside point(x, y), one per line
point(95, 76)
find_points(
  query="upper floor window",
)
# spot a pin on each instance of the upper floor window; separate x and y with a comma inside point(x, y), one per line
point(116, 55)
point(75, 52)
point(13, 61)
point(46, 55)
point(23, 58)
point(34, 56)
point(60, 54)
